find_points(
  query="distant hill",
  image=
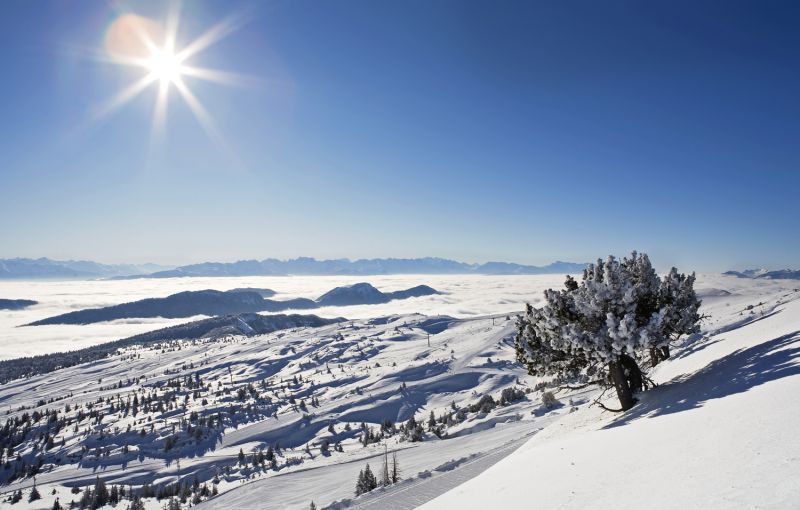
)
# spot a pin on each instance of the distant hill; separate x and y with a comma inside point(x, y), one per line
point(44, 268)
point(366, 294)
point(16, 304)
point(237, 301)
point(781, 274)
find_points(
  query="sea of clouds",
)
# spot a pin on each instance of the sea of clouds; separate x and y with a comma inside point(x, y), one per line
point(461, 296)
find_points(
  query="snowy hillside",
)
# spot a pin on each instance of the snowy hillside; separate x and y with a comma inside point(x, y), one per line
point(290, 417)
point(719, 432)
point(181, 410)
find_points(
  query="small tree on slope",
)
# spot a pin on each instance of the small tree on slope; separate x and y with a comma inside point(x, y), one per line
point(604, 325)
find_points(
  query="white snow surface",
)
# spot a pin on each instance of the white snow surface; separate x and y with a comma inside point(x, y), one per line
point(718, 432)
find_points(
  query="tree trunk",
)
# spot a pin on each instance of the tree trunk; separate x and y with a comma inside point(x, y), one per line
point(665, 352)
point(624, 392)
point(632, 373)
point(654, 356)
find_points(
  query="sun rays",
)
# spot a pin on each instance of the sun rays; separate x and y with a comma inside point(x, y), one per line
point(147, 45)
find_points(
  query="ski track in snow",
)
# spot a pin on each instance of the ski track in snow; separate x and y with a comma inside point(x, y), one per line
point(420, 490)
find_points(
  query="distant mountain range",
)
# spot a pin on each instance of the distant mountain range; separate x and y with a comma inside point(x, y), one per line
point(237, 301)
point(781, 274)
point(45, 268)
point(61, 269)
point(361, 267)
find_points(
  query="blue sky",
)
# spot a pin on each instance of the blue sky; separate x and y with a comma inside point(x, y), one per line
point(523, 131)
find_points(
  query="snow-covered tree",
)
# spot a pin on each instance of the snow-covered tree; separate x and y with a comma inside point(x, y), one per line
point(678, 301)
point(386, 479)
point(370, 482)
point(366, 481)
point(603, 326)
point(394, 472)
point(360, 488)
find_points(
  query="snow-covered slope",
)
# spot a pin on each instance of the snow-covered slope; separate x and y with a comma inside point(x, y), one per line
point(719, 432)
point(199, 403)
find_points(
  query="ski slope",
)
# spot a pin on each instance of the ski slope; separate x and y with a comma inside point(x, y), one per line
point(719, 431)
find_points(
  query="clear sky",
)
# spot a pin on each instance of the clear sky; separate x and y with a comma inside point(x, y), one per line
point(516, 130)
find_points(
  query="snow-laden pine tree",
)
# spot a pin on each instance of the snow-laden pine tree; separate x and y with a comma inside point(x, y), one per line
point(360, 483)
point(680, 307)
point(386, 479)
point(395, 471)
point(370, 482)
point(604, 325)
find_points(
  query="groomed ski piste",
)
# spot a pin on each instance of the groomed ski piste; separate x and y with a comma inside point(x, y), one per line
point(718, 432)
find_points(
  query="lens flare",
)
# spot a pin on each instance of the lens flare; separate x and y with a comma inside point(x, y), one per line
point(146, 44)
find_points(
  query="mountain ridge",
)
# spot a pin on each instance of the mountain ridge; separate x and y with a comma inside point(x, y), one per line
point(764, 274)
point(45, 268)
point(216, 303)
point(359, 267)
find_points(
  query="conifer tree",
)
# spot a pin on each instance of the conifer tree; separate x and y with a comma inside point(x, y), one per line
point(395, 471)
point(386, 479)
point(602, 327)
point(360, 483)
point(370, 482)
point(34, 495)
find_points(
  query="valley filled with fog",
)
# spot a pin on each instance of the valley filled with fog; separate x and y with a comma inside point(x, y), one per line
point(461, 296)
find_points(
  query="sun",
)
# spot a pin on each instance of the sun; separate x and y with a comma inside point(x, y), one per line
point(145, 44)
point(164, 65)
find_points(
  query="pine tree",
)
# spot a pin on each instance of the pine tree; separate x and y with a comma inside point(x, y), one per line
point(386, 479)
point(360, 483)
point(602, 327)
point(136, 504)
point(395, 471)
point(370, 482)
point(34, 495)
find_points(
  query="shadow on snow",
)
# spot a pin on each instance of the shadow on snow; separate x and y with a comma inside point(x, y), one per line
point(734, 373)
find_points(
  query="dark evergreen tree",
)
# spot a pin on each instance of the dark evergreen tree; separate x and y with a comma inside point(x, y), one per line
point(360, 489)
point(370, 482)
point(394, 472)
